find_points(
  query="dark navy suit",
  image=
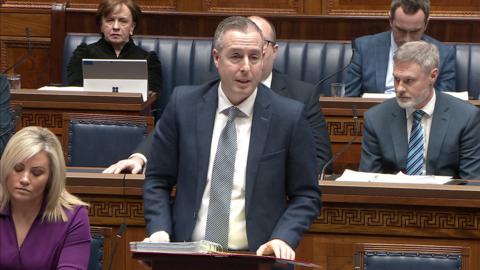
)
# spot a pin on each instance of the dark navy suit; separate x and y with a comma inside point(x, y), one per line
point(300, 91)
point(305, 93)
point(368, 70)
point(282, 197)
point(5, 118)
point(453, 146)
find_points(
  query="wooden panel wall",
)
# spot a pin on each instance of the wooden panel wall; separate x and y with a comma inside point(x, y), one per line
point(452, 20)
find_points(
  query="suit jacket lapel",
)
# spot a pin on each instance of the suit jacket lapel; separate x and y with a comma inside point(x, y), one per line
point(381, 65)
point(260, 126)
point(205, 117)
point(438, 131)
point(279, 85)
point(399, 136)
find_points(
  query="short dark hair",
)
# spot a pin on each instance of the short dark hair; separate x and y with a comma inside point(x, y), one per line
point(410, 7)
point(233, 22)
point(107, 6)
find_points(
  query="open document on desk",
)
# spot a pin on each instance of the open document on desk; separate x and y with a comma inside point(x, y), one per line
point(399, 178)
point(461, 95)
point(61, 88)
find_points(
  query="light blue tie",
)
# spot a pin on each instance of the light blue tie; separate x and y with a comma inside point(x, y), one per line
point(415, 145)
point(222, 182)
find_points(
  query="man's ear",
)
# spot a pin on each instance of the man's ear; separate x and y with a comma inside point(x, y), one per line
point(216, 56)
point(433, 76)
point(275, 48)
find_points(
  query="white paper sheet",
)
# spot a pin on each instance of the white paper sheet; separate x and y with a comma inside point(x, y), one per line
point(400, 178)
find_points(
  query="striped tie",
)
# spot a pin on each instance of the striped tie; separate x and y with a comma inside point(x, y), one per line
point(221, 184)
point(415, 145)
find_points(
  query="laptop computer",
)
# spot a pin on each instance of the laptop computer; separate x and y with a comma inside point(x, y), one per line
point(116, 75)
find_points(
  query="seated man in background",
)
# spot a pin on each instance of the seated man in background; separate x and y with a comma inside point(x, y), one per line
point(117, 20)
point(241, 157)
point(371, 67)
point(421, 131)
point(5, 119)
point(280, 84)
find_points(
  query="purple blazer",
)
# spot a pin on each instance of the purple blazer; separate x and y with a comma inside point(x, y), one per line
point(60, 245)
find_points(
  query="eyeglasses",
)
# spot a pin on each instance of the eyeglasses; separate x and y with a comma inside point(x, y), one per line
point(269, 42)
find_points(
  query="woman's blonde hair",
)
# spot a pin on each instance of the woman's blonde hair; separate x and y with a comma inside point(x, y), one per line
point(25, 144)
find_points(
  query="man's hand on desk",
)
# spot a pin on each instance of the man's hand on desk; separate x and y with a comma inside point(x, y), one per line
point(277, 247)
point(134, 164)
point(158, 237)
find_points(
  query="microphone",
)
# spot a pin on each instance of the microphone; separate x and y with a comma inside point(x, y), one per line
point(121, 229)
point(28, 35)
point(321, 81)
point(119, 235)
point(346, 146)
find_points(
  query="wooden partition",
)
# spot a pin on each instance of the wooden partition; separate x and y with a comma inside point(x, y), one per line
point(352, 213)
point(44, 108)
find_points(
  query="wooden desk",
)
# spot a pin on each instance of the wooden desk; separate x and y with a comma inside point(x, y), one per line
point(45, 108)
point(340, 124)
point(351, 213)
point(387, 213)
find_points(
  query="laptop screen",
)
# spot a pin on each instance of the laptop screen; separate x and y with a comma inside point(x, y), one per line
point(116, 75)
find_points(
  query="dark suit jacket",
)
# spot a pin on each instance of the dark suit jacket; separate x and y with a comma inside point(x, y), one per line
point(300, 91)
point(453, 147)
point(5, 118)
point(282, 197)
point(305, 93)
point(368, 70)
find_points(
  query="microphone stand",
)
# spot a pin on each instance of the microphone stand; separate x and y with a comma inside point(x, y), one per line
point(346, 146)
point(121, 229)
point(28, 34)
point(321, 81)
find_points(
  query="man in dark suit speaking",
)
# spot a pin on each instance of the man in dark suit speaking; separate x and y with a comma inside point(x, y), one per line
point(280, 84)
point(241, 157)
point(421, 131)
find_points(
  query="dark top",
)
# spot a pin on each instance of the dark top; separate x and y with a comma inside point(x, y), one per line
point(59, 245)
point(281, 192)
point(453, 145)
point(297, 90)
point(104, 50)
point(305, 93)
point(5, 118)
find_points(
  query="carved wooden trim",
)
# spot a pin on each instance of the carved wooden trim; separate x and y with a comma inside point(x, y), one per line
point(113, 211)
point(295, 9)
point(26, 4)
point(48, 120)
point(149, 6)
point(333, 9)
point(399, 221)
point(338, 127)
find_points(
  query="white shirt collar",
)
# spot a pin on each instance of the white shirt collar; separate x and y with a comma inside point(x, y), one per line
point(246, 107)
point(268, 81)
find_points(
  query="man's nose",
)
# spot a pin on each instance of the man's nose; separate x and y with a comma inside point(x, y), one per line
point(246, 64)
